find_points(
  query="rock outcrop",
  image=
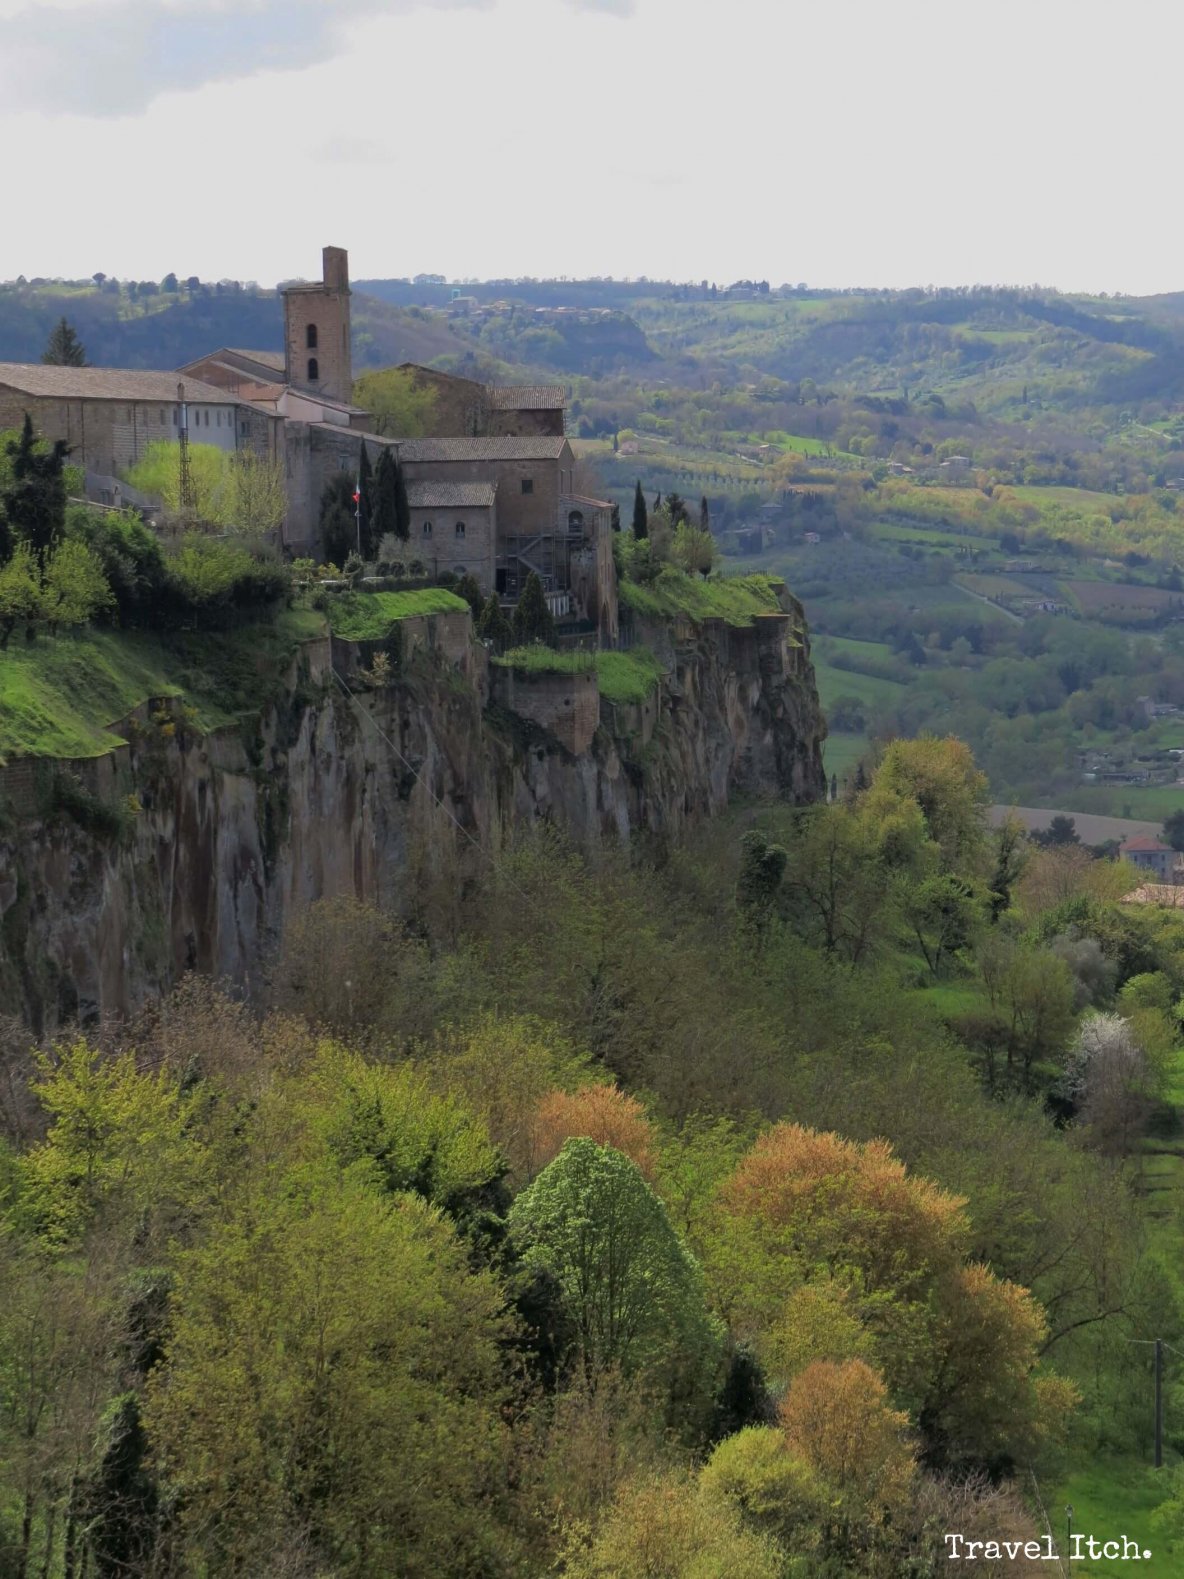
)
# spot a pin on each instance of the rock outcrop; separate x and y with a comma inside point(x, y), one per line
point(182, 851)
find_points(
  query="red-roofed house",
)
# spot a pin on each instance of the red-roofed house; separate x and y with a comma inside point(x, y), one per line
point(1150, 856)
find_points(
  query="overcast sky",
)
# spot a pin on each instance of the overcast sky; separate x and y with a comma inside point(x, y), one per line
point(878, 142)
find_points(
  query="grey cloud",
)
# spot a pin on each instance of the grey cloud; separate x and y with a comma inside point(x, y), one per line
point(350, 150)
point(115, 59)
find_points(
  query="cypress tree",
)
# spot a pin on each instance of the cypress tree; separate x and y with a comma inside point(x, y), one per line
point(641, 520)
point(704, 514)
point(64, 348)
point(34, 503)
point(402, 508)
point(494, 626)
point(385, 518)
point(366, 503)
point(532, 618)
point(468, 589)
point(657, 501)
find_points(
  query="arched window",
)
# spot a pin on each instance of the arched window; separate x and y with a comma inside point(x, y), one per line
point(460, 529)
point(427, 529)
point(314, 371)
point(575, 523)
point(310, 337)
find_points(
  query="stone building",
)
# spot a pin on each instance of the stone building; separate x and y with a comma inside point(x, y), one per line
point(317, 351)
point(454, 528)
point(108, 415)
point(465, 408)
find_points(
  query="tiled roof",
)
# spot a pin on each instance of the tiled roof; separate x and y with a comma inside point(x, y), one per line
point(1144, 844)
point(527, 397)
point(450, 495)
point(536, 448)
point(584, 498)
point(273, 359)
point(108, 383)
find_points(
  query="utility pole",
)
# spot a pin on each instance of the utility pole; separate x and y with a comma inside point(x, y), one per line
point(185, 499)
point(1159, 1403)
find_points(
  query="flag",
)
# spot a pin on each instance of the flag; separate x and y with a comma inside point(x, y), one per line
point(358, 491)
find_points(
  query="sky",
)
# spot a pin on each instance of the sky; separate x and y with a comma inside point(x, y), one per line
point(860, 142)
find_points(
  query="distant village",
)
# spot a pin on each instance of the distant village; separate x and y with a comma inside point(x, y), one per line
point(491, 491)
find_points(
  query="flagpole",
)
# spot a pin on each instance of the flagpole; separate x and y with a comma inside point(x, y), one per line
point(358, 513)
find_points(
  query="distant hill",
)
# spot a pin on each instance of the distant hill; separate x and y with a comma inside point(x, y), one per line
point(167, 329)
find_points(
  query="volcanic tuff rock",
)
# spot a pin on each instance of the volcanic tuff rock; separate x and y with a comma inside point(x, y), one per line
point(181, 851)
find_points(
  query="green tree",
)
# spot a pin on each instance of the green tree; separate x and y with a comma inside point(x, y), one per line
point(257, 499)
point(332, 1378)
point(339, 527)
point(64, 348)
point(20, 592)
point(402, 507)
point(75, 587)
point(468, 589)
point(533, 620)
point(762, 866)
point(1173, 830)
point(942, 913)
point(640, 514)
point(633, 1291)
point(385, 515)
point(692, 549)
point(365, 505)
point(400, 408)
point(493, 626)
point(34, 503)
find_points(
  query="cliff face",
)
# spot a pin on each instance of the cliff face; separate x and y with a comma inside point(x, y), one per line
point(180, 851)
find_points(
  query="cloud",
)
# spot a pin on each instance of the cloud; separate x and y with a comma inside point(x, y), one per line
point(115, 58)
point(350, 150)
point(612, 7)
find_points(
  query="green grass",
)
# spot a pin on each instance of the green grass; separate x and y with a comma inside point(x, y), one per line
point(368, 616)
point(545, 660)
point(737, 599)
point(59, 696)
point(1110, 1499)
point(628, 676)
point(622, 676)
point(841, 754)
point(872, 691)
point(932, 537)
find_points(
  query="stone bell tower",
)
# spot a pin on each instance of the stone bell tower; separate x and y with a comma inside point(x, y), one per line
point(317, 353)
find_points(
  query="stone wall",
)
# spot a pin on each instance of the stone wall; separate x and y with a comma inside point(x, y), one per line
point(565, 705)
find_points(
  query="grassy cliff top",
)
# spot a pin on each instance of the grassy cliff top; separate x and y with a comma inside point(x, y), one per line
point(621, 676)
point(737, 599)
point(60, 695)
point(368, 616)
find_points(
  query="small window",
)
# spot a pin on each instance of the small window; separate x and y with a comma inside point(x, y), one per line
point(575, 523)
point(161, 416)
point(314, 371)
point(174, 416)
point(528, 485)
point(460, 529)
point(207, 416)
point(310, 337)
point(427, 529)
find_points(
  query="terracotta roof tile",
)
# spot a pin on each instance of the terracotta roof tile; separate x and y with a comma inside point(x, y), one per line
point(108, 383)
point(536, 448)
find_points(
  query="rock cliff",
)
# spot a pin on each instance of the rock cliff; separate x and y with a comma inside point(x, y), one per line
point(186, 851)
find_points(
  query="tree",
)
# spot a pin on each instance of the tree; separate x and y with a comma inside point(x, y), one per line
point(533, 620)
point(35, 501)
point(942, 913)
point(667, 1528)
point(468, 588)
point(74, 588)
point(332, 1372)
point(633, 1291)
point(493, 626)
point(385, 514)
point(365, 504)
point(20, 592)
point(640, 515)
point(1109, 1078)
point(704, 515)
point(1173, 830)
point(941, 776)
point(676, 507)
point(401, 407)
point(599, 1112)
point(259, 497)
point(64, 348)
point(339, 527)
point(402, 507)
point(693, 549)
